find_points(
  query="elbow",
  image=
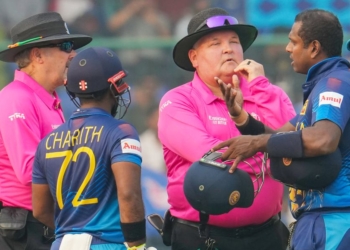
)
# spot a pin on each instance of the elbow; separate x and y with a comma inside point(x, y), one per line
point(130, 197)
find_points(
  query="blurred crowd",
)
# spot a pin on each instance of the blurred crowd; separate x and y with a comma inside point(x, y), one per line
point(150, 66)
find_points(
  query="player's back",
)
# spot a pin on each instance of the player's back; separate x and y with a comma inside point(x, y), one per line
point(76, 160)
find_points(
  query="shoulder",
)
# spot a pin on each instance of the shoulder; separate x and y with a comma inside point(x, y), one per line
point(16, 89)
point(181, 93)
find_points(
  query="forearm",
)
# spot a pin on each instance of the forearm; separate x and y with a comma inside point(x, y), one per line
point(132, 218)
point(46, 218)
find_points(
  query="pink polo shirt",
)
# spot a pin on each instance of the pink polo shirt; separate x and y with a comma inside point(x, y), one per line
point(192, 120)
point(27, 114)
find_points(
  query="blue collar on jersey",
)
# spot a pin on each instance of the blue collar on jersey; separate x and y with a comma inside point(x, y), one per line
point(320, 70)
point(88, 112)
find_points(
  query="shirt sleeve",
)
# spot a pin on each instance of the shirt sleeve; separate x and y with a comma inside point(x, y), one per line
point(178, 118)
point(273, 105)
point(39, 174)
point(126, 146)
point(331, 102)
point(21, 134)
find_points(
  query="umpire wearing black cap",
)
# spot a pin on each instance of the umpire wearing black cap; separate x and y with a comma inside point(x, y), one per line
point(214, 48)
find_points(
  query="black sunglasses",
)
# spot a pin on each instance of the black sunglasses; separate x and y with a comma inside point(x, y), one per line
point(64, 46)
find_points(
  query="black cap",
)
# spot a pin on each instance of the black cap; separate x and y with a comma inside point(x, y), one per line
point(93, 70)
point(307, 173)
point(211, 189)
point(38, 30)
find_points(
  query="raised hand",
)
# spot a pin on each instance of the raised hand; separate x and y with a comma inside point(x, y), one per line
point(232, 95)
point(250, 69)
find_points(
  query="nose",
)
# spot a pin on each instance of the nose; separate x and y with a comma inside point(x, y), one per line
point(227, 48)
point(288, 48)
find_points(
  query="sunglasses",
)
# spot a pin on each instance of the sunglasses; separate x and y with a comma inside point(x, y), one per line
point(64, 46)
point(217, 21)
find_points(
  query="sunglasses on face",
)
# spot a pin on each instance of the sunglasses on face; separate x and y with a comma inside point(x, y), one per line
point(217, 21)
point(64, 46)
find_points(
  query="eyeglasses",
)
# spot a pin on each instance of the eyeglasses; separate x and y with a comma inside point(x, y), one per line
point(64, 46)
point(217, 21)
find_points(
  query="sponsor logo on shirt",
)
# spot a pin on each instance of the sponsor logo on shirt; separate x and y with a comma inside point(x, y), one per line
point(17, 116)
point(131, 146)
point(218, 120)
point(164, 105)
point(331, 98)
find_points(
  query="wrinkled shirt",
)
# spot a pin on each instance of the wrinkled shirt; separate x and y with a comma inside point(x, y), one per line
point(27, 114)
point(192, 120)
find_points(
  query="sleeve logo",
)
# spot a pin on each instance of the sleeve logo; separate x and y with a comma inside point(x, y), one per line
point(332, 98)
point(17, 116)
point(131, 146)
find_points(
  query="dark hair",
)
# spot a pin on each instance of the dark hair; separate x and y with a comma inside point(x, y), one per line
point(323, 26)
point(94, 97)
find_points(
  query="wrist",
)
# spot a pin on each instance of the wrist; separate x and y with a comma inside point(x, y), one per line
point(261, 142)
point(241, 119)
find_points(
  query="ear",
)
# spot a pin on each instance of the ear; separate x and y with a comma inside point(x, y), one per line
point(192, 55)
point(315, 48)
point(36, 55)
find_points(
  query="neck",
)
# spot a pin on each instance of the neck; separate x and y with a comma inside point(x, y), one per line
point(94, 104)
point(41, 79)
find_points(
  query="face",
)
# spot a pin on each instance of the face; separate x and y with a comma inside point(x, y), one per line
point(55, 64)
point(217, 54)
point(301, 57)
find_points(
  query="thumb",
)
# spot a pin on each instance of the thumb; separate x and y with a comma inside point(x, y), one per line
point(235, 82)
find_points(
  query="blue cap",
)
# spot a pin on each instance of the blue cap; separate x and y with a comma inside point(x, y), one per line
point(348, 45)
point(307, 173)
point(211, 189)
point(93, 70)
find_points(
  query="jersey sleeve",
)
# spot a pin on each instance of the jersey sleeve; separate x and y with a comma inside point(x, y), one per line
point(331, 101)
point(21, 134)
point(126, 146)
point(273, 105)
point(39, 176)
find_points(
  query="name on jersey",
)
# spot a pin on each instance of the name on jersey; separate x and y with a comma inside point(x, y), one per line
point(331, 98)
point(131, 146)
point(218, 120)
point(63, 139)
point(17, 116)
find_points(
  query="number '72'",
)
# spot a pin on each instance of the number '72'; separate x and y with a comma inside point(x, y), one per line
point(68, 158)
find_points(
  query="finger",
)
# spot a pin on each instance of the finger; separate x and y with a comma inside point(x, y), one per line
point(222, 85)
point(228, 92)
point(221, 145)
point(235, 164)
point(235, 82)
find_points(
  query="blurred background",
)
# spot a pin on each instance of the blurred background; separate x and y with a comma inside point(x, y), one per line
point(143, 33)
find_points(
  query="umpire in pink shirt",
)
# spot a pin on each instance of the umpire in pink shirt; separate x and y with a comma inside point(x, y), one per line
point(194, 117)
point(42, 47)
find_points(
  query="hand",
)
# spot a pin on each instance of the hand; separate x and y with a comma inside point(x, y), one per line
point(232, 95)
point(241, 148)
point(250, 69)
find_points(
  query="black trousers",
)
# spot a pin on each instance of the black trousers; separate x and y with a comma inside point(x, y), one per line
point(32, 240)
point(274, 237)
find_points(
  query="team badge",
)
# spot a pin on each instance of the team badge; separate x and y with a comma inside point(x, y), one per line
point(303, 110)
point(287, 161)
point(234, 198)
point(83, 85)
